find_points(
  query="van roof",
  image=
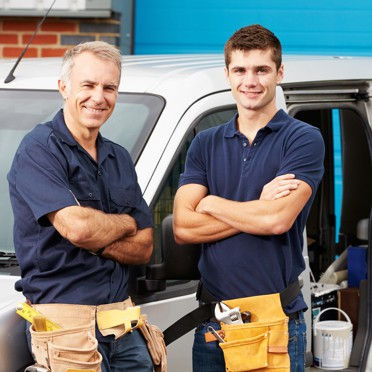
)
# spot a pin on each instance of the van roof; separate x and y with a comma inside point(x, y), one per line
point(163, 74)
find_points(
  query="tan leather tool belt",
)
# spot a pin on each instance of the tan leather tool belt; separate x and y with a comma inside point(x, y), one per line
point(74, 346)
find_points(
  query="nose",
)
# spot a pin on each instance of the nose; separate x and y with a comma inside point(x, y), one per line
point(97, 95)
point(250, 79)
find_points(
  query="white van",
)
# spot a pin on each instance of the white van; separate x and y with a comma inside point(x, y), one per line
point(163, 102)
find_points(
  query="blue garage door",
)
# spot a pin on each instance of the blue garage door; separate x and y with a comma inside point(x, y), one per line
point(202, 26)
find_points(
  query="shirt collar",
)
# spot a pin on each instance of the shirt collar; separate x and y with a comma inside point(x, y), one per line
point(277, 121)
point(274, 124)
point(231, 130)
point(59, 125)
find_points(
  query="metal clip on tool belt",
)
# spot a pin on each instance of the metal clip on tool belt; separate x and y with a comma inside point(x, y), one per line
point(206, 311)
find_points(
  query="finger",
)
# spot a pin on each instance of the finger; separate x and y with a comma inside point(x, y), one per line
point(285, 176)
point(282, 194)
point(288, 182)
point(288, 186)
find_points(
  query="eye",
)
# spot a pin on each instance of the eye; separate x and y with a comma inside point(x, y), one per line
point(110, 88)
point(239, 70)
point(263, 70)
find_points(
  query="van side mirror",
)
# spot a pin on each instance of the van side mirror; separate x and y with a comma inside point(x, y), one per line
point(180, 262)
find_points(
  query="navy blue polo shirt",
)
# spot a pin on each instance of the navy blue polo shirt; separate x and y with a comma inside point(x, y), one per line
point(222, 160)
point(51, 171)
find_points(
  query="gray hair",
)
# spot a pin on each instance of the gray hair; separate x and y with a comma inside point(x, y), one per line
point(100, 49)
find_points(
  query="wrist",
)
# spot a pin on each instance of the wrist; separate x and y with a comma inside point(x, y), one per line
point(100, 251)
point(210, 203)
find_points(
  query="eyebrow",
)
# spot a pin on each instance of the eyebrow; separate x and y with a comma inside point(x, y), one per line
point(236, 68)
point(110, 84)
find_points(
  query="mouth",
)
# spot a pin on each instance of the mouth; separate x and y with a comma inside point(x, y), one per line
point(251, 93)
point(94, 110)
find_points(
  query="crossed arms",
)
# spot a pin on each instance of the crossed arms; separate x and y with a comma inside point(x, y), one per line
point(202, 218)
point(92, 229)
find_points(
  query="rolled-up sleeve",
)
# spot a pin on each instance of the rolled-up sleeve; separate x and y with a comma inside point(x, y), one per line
point(195, 171)
point(304, 156)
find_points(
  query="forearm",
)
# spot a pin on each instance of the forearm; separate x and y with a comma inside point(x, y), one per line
point(90, 228)
point(191, 227)
point(131, 250)
point(254, 217)
point(261, 217)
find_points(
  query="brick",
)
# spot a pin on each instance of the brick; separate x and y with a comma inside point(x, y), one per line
point(59, 27)
point(8, 39)
point(75, 39)
point(40, 39)
point(18, 26)
point(113, 40)
point(103, 28)
point(11, 52)
point(49, 52)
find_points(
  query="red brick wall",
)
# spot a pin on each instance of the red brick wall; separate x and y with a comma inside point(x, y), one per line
point(55, 36)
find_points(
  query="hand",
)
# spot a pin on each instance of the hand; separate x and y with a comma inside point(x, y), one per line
point(279, 187)
point(202, 207)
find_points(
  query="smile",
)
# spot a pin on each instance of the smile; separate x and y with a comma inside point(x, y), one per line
point(94, 110)
point(251, 93)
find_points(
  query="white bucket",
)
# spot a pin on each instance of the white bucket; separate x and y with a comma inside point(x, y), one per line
point(333, 340)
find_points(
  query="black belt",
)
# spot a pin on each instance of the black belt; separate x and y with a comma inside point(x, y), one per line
point(206, 311)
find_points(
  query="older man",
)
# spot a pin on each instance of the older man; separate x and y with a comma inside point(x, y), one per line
point(80, 218)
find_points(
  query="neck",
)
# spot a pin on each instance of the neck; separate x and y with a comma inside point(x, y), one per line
point(85, 137)
point(251, 121)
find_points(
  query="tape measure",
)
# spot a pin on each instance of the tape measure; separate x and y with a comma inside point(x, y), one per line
point(28, 312)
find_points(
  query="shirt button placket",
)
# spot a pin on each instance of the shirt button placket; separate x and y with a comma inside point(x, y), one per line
point(245, 144)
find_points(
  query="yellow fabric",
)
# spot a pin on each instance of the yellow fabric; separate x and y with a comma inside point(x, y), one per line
point(262, 344)
point(112, 318)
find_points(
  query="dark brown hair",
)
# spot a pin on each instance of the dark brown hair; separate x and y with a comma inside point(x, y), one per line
point(254, 37)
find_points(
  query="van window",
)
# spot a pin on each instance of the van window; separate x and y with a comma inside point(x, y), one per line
point(20, 110)
point(164, 204)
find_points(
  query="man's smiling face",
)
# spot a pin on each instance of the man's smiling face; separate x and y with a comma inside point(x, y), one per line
point(253, 77)
point(91, 92)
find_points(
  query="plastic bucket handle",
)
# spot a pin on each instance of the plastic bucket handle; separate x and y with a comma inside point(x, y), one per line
point(316, 320)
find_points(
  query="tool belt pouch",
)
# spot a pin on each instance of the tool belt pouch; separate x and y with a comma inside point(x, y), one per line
point(64, 349)
point(262, 343)
point(155, 343)
point(74, 346)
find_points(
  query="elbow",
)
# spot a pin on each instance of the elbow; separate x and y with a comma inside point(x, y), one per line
point(147, 254)
point(78, 234)
point(182, 236)
point(275, 225)
point(280, 226)
point(280, 229)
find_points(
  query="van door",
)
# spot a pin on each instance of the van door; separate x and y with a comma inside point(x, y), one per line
point(342, 112)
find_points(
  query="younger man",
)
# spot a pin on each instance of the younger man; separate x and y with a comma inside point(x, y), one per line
point(252, 245)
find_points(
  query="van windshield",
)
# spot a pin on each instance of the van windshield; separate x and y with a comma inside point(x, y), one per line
point(20, 110)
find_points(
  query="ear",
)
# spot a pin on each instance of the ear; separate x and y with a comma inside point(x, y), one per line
point(227, 76)
point(62, 88)
point(280, 74)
